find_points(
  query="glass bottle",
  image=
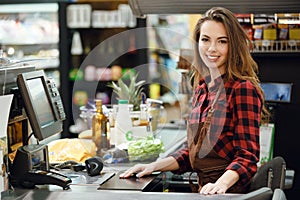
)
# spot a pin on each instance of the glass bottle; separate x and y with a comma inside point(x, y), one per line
point(99, 128)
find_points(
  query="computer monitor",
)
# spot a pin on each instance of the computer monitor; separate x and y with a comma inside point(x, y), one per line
point(42, 103)
point(277, 92)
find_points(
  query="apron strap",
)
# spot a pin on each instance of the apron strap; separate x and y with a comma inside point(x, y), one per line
point(192, 185)
point(216, 97)
point(212, 109)
point(204, 128)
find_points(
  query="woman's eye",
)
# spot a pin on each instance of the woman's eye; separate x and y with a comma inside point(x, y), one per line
point(204, 39)
point(223, 41)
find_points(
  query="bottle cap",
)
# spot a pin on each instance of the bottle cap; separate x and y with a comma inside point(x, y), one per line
point(122, 101)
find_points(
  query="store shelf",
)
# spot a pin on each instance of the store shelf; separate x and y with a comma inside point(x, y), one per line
point(282, 46)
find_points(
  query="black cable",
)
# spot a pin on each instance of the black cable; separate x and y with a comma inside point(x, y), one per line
point(27, 140)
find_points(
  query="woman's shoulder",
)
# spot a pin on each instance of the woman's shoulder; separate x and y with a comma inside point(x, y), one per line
point(240, 87)
point(238, 83)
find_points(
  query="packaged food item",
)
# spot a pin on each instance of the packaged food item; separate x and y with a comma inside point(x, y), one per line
point(74, 149)
point(246, 21)
point(283, 30)
point(294, 31)
point(289, 31)
point(265, 32)
point(143, 149)
point(269, 32)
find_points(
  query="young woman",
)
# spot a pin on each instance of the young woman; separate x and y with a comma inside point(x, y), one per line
point(228, 105)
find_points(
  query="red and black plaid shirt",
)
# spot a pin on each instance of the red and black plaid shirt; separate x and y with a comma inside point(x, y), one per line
point(239, 139)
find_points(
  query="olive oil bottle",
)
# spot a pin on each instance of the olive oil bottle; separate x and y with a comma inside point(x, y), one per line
point(99, 128)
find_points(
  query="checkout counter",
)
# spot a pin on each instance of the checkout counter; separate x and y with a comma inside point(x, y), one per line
point(91, 192)
point(108, 185)
point(152, 187)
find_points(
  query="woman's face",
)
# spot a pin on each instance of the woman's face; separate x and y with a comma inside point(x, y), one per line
point(213, 45)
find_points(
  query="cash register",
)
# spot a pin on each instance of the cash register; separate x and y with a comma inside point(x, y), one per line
point(44, 109)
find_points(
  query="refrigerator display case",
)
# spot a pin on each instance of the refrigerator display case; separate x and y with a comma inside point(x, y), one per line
point(29, 32)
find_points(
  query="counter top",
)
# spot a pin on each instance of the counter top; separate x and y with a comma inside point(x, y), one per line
point(83, 190)
point(86, 192)
point(86, 187)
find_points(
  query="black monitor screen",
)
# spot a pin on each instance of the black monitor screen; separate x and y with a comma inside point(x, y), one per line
point(40, 101)
point(277, 92)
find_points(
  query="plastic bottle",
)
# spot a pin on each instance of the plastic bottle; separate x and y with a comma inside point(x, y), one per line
point(99, 128)
point(123, 123)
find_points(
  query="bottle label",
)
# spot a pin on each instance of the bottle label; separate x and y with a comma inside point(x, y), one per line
point(129, 135)
point(103, 128)
point(104, 143)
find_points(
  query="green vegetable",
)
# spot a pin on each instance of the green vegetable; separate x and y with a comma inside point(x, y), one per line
point(145, 149)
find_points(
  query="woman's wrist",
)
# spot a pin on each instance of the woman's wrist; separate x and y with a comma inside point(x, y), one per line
point(228, 179)
point(166, 164)
point(154, 166)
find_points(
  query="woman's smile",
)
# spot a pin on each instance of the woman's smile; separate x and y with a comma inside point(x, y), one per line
point(213, 58)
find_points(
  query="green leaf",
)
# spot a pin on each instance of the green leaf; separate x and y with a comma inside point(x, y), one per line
point(132, 92)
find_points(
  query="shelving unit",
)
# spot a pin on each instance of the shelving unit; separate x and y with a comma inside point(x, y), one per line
point(103, 49)
point(283, 46)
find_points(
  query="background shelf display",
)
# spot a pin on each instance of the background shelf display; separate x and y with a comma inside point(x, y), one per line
point(30, 32)
point(270, 46)
point(96, 55)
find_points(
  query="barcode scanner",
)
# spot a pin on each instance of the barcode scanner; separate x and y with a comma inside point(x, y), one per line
point(94, 166)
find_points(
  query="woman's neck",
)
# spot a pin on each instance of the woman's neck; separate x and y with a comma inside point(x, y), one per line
point(214, 75)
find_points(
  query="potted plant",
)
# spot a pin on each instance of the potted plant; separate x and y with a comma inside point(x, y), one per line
point(131, 92)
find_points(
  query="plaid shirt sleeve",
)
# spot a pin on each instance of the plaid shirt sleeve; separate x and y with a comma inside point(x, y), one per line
point(246, 112)
point(182, 157)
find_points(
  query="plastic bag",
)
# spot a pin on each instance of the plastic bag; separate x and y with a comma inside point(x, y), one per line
point(73, 149)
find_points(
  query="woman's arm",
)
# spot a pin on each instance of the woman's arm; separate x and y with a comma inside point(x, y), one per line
point(246, 116)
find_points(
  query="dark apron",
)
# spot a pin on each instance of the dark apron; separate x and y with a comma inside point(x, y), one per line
point(208, 165)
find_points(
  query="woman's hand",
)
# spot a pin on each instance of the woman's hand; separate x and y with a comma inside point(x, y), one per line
point(165, 164)
point(213, 188)
point(139, 169)
point(229, 178)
